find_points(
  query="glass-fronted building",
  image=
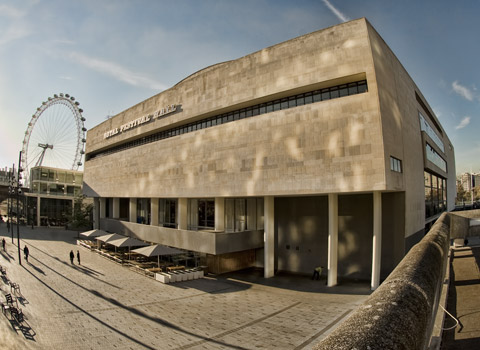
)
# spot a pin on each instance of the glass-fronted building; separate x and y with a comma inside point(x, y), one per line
point(52, 193)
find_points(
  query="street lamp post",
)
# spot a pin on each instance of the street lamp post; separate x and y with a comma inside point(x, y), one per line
point(19, 192)
point(15, 191)
point(11, 192)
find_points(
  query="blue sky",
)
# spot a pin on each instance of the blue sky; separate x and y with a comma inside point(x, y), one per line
point(113, 54)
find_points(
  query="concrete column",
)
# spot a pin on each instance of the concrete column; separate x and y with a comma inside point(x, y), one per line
point(103, 208)
point(332, 239)
point(38, 211)
point(116, 208)
point(220, 214)
point(269, 237)
point(96, 213)
point(154, 211)
point(132, 210)
point(182, 213)
point(377, 239)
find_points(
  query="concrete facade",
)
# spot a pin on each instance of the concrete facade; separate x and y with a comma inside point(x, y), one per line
point(294, 158)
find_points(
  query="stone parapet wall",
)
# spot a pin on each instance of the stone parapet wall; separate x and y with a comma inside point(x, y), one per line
point(401, 312)
point(460, 224)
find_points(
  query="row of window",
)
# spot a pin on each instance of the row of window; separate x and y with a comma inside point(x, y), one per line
point(262, 108)
point(424, 126)
point(241, 214)
point(435, 158)
point(435, 194)
point(52, 175)
point(55, 189)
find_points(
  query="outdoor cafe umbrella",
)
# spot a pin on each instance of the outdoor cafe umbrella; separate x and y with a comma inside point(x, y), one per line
point(126, 242)
point(157, 250)
point(94, 233)
point(109, 237)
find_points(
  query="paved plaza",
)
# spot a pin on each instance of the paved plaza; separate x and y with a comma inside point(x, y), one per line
point(103, 305)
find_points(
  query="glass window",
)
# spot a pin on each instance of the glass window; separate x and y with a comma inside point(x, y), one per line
point(425, 126)
point(143, 211)
point(300, 100)
point(276, 105)
point(240, 218)
point(229, 215)
point(206, 213)
point(284, 103)
point(352, 88)
point(343, 90)
point(362, 87)
point(334, 92)
point(77, 191)
point(262, 108)
point(70, 190)
point(325, 94)
point(260, 213)
point(248, 112)
point(428, 179)
point(435, 158)
point(317, 96)
point(292, 102)
point(308, 98)
point(269, 107)
point(395, 164)
point(251, 214)
point(167, 212)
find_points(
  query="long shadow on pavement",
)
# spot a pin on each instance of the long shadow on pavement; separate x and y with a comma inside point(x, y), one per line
point(132, 310)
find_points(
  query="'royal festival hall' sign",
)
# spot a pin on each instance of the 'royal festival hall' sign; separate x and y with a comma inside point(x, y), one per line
point(139, 121)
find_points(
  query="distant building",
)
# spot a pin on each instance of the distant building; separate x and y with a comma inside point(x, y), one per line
point(5, 175)
point(469, 181)
point(51, 197)
point(320, 150)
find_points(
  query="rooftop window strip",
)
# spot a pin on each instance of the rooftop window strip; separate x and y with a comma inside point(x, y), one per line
point(333, 92)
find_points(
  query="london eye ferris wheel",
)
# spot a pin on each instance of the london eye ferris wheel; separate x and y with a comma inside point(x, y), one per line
point(55, 136)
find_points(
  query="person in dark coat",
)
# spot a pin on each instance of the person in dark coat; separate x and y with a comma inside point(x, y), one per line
point(26, 252)
point(78, 257)
point(72, 256)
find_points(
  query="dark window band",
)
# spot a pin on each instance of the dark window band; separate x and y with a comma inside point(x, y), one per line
point(354, 88)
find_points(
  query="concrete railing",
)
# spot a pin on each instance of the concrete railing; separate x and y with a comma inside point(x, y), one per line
point(463, 225)
point(400, 314)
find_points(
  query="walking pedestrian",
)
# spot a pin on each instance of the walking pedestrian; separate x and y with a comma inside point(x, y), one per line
point(25, 252)
point(78, 257)
point(3, 244)
point(72, 256)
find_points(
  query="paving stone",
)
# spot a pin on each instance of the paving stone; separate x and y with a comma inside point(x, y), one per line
point(102, 305)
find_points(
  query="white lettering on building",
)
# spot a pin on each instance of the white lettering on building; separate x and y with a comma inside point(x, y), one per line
point(139, 121)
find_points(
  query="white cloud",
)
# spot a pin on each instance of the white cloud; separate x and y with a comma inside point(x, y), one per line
point(10, 11)
point(14, 32)
point(465, 121)
point(463, 91)
point(116, 71)
point(336, 12)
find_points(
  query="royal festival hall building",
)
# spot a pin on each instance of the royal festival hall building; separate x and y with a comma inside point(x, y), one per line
point(318, 151)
